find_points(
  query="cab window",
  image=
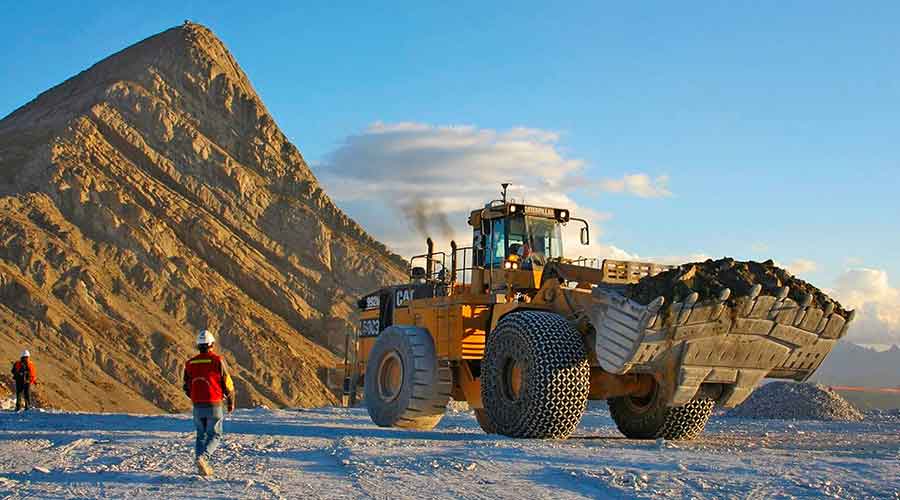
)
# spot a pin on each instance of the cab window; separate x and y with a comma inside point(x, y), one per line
point(546, 238)
point(518, 235)
point(496, 244)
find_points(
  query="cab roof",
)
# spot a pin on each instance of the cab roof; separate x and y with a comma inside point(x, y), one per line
point(497, 210)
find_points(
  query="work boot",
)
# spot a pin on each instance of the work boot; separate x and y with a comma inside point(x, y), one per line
point(203, 466)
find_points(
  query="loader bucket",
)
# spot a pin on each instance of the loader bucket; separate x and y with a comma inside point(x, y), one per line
point(735, 343)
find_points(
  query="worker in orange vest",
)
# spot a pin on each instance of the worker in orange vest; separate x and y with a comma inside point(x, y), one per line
point(207, 383)
point(25, 375)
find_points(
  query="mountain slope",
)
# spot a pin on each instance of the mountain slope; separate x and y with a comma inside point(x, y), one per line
point(854, 365)
point(153, 195)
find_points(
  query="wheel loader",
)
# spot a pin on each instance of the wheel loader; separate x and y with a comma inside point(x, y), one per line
point(527, 337)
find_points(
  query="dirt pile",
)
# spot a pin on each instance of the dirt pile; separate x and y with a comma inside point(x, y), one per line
point(153, 195)
point(709, 278)
point(793, 401)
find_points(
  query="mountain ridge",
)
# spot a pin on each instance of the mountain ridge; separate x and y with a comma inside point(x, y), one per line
point(851, 364)
point(152, 195)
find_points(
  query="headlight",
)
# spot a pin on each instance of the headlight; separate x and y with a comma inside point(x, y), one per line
point(509, 265)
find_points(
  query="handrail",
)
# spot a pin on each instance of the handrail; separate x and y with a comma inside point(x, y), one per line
point(434, 256)
point(467, 266)
point(592, 262)
point(459, 273)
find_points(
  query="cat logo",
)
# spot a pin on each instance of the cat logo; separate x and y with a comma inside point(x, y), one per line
point(404, 295)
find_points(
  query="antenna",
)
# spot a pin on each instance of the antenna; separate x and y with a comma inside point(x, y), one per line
point(505, 185)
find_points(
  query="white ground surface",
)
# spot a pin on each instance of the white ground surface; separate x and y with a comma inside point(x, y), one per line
point(338, 453)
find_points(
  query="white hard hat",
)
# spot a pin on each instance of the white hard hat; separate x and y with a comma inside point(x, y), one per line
point(26, 354)
point(205, 337)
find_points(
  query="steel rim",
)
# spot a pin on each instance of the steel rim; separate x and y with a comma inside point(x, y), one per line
point(390, 376)
point(512, 379)
point(642, 404)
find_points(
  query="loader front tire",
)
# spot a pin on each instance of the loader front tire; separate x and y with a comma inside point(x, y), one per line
point(535, 376)
point(648, 417)
point(404, 385)
point(484, 420)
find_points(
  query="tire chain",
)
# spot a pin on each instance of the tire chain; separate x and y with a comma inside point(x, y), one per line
point(484, 421)
point(678, 423)
point(557, 372)
point(688, 421)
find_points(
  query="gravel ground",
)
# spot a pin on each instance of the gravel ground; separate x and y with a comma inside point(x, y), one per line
point(338, 453)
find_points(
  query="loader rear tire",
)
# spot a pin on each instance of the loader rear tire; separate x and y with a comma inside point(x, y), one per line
point(649, 418)
point(404, 385)
point(535, 376)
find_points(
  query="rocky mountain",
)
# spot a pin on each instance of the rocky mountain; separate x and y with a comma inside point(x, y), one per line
point(153, 195)
point(855, 365)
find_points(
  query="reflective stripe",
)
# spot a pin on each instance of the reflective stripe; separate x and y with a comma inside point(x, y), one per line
point(194, 361)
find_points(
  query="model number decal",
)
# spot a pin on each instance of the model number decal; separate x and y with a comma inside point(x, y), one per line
point(403, 297)
point(368, 328)
point(372, 302)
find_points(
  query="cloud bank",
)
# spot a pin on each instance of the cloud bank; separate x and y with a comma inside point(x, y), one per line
point(640, 185)
point(802, 266)
point(877, 304)
point(432, 176)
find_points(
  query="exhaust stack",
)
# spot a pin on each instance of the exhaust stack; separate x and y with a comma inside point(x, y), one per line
point(429, 262)
point(452, 262)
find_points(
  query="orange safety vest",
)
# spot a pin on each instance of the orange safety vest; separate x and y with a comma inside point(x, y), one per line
point(204, 378)
point(32, 374)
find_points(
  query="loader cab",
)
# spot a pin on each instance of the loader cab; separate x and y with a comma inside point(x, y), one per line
point(519, 236)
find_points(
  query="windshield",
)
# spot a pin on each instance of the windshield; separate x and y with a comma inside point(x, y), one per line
point(545, 238)
point(533, 239)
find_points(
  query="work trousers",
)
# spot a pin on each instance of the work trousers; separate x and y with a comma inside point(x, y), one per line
point(23, 396)
point(208, 420)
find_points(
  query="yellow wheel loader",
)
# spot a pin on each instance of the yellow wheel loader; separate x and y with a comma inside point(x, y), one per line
point(527, 337)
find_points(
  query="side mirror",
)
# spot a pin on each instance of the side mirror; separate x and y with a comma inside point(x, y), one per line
point(417, 273)
point(585, 236)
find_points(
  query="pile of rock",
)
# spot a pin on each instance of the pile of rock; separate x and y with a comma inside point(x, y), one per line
point(793, 401)
point(709, 278)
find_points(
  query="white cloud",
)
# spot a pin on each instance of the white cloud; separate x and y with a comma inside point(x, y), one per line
point(799, 266)
point(437, 174)
point(641, 185)
point(853, 261)
point(802, 266)
point(877, 303)
point(677, 260)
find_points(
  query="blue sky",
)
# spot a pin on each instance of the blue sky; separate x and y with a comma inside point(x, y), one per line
point(776, 123)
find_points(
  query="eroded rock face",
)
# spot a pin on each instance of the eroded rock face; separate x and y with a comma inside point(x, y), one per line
point(153, 195)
